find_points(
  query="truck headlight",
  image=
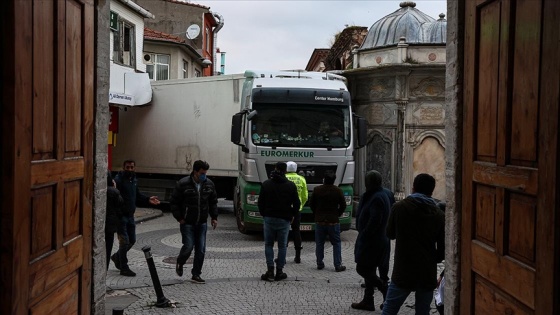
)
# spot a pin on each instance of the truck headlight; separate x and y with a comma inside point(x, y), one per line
point(252, 199)
point(348, 200)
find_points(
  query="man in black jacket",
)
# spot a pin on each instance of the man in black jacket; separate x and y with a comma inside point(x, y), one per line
point(328, 204)
point(278, 204)
point(192, 200)
point(418, 226)
point(372, 242)
point(127, 184)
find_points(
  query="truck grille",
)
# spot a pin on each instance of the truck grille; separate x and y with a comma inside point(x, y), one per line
point(313, 173)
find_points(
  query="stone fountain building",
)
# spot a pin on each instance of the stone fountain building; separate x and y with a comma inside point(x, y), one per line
point(398, 84)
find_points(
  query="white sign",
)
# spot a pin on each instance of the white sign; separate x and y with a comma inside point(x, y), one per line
point(121, 98)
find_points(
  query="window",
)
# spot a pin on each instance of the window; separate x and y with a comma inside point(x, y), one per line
point(197, 73)
point(157, 67)
point(124, 43)
point(185, 69)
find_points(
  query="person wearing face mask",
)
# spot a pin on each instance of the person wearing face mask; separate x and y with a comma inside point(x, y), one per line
point(127, 184)
point(192, 201)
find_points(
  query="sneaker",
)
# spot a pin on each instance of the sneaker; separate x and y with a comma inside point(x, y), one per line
point(340, 268)
point(198, 279)
point(179, 269)
point(128, 273)
point(321, 267)
point(268, 276)
point(116, 261)
point(280, 275)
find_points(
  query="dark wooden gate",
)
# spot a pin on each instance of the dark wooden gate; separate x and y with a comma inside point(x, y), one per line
point(510, 190)
point(47, 157)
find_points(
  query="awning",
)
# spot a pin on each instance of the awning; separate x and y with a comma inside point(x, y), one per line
point(127, 88)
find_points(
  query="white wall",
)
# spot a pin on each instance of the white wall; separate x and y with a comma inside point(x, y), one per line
point(131, 16)
point(177, 54)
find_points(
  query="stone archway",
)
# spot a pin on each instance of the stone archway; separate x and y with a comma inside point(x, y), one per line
point(379, 157)
point(426, 154)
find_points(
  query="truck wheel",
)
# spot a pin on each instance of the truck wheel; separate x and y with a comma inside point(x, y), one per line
point(240, 223)
point(238, 212)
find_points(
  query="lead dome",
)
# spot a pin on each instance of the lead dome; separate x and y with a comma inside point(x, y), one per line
point(408, 22)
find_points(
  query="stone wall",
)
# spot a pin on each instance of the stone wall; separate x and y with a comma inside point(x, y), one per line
point(100, 150)
point(453, 151)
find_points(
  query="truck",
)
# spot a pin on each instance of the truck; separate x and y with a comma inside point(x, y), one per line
point(299, 116)
point(187, 120)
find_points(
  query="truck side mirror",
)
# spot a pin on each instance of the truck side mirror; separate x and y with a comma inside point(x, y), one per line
point(236, 123)
point(362, 132)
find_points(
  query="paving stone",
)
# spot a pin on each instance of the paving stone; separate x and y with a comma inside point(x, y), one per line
point(232, 268)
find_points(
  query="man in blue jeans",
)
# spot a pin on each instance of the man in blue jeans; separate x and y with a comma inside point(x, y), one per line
point(418, 226)
point(328, 204)
point(127, 184)
point(192, 200)
point(278, 204)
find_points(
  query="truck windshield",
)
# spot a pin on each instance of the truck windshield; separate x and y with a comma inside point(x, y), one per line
point(301, 125)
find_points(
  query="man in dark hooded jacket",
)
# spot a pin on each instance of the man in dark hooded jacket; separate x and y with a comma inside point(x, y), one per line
point(418, 226)
point(372, 242)
point(115, 204)
point(127, 184)
point(278, 204)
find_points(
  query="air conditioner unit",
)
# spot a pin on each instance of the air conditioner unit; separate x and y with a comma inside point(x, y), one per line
point(148, 59)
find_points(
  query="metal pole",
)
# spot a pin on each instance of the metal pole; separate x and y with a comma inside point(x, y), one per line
point(162, 301)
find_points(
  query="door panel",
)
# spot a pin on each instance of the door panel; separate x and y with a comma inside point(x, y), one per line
point(51, 241)
point(505, 220)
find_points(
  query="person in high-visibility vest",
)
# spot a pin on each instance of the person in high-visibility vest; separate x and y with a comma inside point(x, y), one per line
point(301, 185)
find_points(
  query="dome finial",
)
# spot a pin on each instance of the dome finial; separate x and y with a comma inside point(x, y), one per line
point(441, 16)
point(411, 4)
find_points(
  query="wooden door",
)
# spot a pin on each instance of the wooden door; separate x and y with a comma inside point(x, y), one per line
point(510, 209)
point(47, 162)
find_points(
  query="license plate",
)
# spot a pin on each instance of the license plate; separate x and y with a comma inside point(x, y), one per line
point(305, 227)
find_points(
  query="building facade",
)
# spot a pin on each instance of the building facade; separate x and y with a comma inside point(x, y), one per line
point(503, 210)
point(129, 83)
point(169, 57)
point(194, 23)
point(397, 83)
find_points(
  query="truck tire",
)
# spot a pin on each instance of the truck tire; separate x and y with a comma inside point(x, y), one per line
point(240, 223)
point(238, 211)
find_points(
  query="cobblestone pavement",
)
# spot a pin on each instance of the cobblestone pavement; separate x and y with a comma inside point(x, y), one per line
point(232, 268)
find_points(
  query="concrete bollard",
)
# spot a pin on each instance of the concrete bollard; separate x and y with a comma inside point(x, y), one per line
point(162, 301)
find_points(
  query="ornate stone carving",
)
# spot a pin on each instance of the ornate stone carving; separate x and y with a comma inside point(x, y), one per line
point(400, 87)
point(362, 89)
point(429, 88)
point(382, 88)
point(379, 113)
point(414, 137)
point(425, 114)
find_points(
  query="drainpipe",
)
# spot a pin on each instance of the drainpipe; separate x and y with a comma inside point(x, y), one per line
point(220, 20)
